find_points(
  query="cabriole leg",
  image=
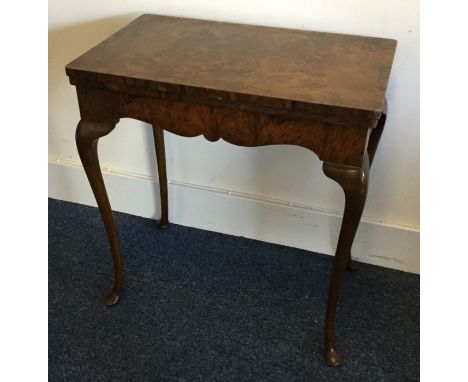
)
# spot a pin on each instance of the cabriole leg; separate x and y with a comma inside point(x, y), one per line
point(354, 182)
point(158, 134)
point(87, 136)
point(374, 139)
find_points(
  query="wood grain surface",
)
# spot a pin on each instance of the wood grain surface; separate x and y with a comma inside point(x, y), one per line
point(321, 75)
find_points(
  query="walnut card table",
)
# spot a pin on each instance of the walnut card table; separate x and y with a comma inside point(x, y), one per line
point(250, 86)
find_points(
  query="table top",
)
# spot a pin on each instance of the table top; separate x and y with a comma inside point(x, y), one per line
point(304, 67)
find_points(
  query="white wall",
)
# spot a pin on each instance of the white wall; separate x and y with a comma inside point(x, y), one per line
point(287, 173)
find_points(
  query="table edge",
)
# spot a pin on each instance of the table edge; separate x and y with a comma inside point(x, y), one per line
point(333, 114)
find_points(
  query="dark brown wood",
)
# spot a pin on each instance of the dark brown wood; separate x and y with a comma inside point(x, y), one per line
point(376, 133)
point(354, 182)
point(331, 143)
point(158, 135)
point(87, 136)
point(374, 139)
point(250, 86)
point(330, 77)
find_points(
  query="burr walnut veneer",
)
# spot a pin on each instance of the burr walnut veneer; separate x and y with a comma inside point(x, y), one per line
point(248, 85)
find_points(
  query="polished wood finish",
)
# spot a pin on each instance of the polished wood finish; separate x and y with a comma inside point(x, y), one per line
point(333, 78)
point(87, 137)
point(250, 86)
point(158, 135)
point(354, 183)
point(333, 143)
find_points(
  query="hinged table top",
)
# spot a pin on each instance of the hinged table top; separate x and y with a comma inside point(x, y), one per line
point(243, 63)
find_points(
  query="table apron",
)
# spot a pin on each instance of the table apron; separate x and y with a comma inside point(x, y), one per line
point(338, 144)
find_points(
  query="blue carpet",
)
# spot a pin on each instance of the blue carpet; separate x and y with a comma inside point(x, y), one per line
point(203, 306)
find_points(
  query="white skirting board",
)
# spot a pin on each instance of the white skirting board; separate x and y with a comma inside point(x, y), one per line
point(237, 214)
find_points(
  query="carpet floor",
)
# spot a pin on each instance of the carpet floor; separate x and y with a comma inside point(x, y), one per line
point(204, 306)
